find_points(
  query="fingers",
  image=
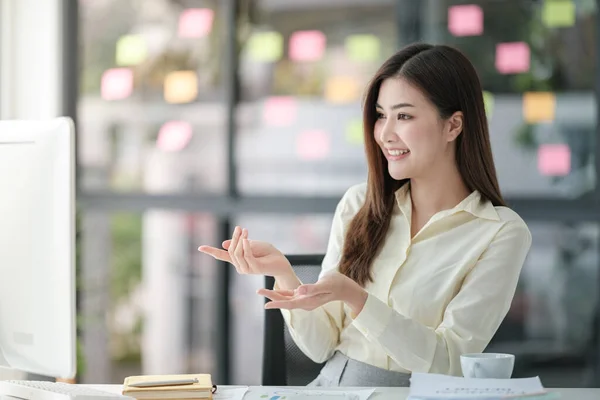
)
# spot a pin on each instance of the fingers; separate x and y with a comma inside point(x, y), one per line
point(276, 295)
point(237, 232)
point(249, 256)
point(239, 253)
point(299, 301)
point(264, 292)
point(215, 253)
point(236, 250)
point(303, 303)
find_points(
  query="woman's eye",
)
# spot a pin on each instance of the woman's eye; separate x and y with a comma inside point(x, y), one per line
point(404, 116)
point(380, 115)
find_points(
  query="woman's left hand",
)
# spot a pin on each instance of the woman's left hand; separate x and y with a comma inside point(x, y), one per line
point(331, 287)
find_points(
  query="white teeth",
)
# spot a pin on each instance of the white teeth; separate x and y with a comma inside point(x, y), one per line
point(398, 152)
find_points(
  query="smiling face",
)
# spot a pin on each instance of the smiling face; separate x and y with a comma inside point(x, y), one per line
point(413, 137)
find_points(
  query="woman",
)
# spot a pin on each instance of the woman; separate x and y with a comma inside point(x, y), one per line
point(423, 259)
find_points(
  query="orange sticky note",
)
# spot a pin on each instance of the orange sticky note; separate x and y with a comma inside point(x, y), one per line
point(174, 136)
point(280, 111)
point(554, 159)
point(539, 107)
point(313, 145)
point(116, 84)
point(195, 22)
point(181, 87)
point(342, 89)
point(307, 45)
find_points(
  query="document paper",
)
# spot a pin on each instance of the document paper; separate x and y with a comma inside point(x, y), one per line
point(434, 386)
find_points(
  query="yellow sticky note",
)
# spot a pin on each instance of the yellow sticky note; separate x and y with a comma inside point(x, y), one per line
point(131, 50)
point(265, 46)
point(558, 13)
point(342, 89)
point(181, 87)
point(488, 102)
point(354, 132)
point(539, 107)
point(363, 48)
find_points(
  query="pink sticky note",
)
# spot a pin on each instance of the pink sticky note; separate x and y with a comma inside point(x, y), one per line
point(280, 111)
point(465, 20)
point(195, 22)
point(174, 136)
point(313, 145)
point(512, 58)
point(554, 159)
point(307, 45)
point(116, 84)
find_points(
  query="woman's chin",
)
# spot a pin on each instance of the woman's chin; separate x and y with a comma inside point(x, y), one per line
point(397, 175)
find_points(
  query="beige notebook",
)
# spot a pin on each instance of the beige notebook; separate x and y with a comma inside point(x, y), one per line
point(202, 389)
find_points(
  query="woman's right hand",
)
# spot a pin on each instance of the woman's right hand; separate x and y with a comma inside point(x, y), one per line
point(251, 256)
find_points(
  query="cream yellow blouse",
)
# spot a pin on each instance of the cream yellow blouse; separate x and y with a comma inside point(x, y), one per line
point(436, 296)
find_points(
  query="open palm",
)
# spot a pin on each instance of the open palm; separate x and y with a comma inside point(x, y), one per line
point(310, 296)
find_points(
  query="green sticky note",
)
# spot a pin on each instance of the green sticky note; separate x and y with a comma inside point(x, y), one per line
point(363, 48)
point(558, 13)
point(354, 132)
point(265, 46)
point(131, 50)
point(488, 102)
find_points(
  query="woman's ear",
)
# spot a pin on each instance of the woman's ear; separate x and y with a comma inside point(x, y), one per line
point(454, 126)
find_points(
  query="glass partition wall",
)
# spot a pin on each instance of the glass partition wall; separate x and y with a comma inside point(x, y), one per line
point(197, 115)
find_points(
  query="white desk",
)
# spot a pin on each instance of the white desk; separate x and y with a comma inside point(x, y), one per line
point(402, 393)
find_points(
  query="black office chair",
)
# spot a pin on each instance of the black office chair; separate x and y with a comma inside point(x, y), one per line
point(284, 364)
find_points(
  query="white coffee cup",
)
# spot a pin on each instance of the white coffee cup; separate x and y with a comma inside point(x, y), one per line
point(487, 365)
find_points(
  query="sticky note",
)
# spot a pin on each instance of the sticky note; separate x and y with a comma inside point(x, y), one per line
point(488, 103)
point(195, 22)
point(465, 20)
point(174, 136)
point(512, 57)
point(558, 13)
point(554, 159)
point(342, 89)
point(307, 45)
point(131, 50)
point(116, 84)
point(539, 107)
point(181, 87)
point(265, 46)
point(313, 145)
point(363, 48)
point(280, 111)
point(354, 132)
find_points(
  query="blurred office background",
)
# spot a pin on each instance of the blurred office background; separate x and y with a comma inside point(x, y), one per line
point(194, 116)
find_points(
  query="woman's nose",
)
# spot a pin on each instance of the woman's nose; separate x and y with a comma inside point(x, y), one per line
point(388, 134)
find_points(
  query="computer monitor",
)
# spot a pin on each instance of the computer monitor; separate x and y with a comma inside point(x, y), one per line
point(37, 247)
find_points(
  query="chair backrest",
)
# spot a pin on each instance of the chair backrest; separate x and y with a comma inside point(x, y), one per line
point(284, 364)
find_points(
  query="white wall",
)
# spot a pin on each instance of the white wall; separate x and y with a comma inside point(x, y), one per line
point(30, 67)
point(31, 56)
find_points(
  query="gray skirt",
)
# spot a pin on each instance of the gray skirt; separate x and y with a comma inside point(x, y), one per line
point(343, 371)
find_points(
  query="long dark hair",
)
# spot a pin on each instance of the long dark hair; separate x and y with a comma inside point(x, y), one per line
point(449, 80)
